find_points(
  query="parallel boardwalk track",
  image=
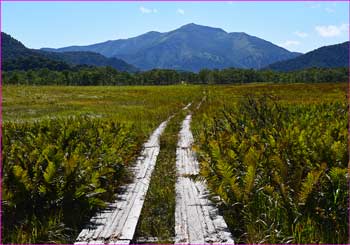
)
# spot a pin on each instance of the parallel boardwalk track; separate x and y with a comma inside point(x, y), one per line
point(197, 220)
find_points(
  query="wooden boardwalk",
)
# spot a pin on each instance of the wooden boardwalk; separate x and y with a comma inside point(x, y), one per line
point(117, 224)
point(197, 220)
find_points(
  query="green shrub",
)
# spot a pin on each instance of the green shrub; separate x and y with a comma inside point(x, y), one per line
point(280, 170)
point(56, 173)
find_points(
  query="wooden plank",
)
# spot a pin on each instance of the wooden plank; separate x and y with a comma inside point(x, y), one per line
point(181, 229)
point(197, 220)
point(96, 242)
point(117, 224)
point(200, 103)
point(194, 213)
point(149, 240)
point(119, 242)
point(187, 106)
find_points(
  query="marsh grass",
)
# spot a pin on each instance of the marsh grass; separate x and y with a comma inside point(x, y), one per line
point(277, 158)
point(142, 109)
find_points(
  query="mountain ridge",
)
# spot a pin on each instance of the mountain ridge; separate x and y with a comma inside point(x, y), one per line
point(191, 47)
point(331, 56)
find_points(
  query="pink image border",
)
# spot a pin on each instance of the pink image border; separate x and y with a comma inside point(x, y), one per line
point(1, 85)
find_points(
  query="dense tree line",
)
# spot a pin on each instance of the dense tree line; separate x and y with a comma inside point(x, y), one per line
point(34, 62)
point(312, 75)
point(85, 75)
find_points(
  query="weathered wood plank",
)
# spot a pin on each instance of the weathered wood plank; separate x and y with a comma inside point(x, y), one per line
point(187, 106)
point(119, 242)
point(197, 220)
point(117, 224)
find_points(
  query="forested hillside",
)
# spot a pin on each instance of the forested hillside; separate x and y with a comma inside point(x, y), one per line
point(329, 56)
point(15, 56)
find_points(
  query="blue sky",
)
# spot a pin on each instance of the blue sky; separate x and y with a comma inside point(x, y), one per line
point(297, 26)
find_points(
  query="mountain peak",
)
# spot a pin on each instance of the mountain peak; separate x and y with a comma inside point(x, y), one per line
point(189, 25)
point(152, 33)
point(194, 27)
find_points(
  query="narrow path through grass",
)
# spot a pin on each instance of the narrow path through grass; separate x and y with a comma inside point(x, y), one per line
point(157, 221)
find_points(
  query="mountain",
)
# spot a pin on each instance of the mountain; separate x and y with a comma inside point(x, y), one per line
point(16, 56)
point(191, 47)
point(12, 49)
point(327, 57)
point(90, 58)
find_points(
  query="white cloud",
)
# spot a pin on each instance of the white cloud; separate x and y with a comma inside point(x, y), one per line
point(180, 11)
point(331, 30)
point(147, 11)
point(314, 6)
point(290, 43)
point(329, 10)
point(301, 34)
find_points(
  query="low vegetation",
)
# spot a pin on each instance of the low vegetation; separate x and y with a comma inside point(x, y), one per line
point(279, 168)
point(275, 154)
point(56, 173)
point(66, 151)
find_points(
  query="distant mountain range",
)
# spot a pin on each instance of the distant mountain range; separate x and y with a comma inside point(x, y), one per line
point(16, 56)
point(327, 57)
point(191, 47)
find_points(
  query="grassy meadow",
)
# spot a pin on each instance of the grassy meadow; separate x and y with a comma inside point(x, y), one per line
point(143, 106)
point(275, 154)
